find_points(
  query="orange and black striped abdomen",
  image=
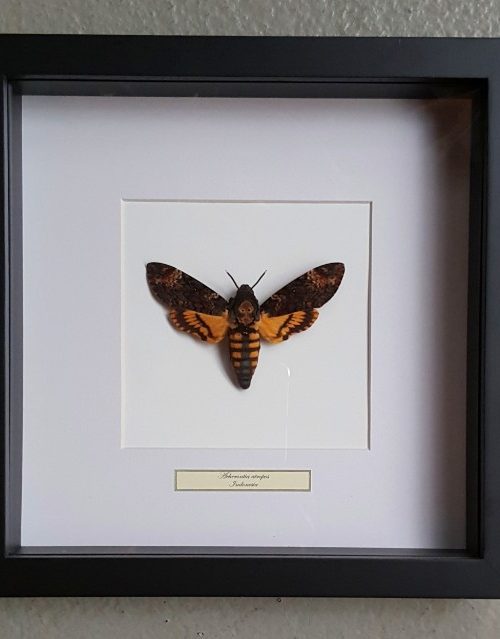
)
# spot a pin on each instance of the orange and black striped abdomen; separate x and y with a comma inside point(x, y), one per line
point(244, 346)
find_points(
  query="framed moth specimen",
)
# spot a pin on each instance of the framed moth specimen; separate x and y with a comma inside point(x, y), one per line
point(363, 175)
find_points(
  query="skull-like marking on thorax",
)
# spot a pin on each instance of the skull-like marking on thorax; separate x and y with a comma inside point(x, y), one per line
point(245, 313)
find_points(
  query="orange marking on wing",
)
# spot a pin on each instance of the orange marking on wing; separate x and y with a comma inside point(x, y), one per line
point(277, 329)
point(209, 328)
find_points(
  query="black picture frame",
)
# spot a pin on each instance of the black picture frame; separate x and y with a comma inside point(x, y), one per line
point(264, 67)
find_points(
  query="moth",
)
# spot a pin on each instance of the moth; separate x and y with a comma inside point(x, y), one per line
point(198, 310)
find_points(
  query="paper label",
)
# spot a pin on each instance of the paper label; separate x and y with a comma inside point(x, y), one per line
point(263, 480)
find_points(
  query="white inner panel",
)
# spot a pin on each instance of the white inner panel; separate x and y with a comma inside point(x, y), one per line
point(308, 392)
point(82, 156)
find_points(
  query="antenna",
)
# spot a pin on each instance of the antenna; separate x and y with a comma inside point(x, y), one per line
point(234, 281)
point(259, 279)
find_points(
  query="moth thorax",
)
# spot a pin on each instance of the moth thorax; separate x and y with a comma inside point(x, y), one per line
point(245, 307)
point(245, 313)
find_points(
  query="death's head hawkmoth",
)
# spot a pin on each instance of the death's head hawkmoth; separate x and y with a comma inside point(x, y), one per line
point(198, 310)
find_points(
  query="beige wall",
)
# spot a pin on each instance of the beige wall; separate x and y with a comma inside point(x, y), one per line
point(252, 618)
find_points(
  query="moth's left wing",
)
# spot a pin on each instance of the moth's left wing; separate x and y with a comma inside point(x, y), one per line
point(292, 309)
point(193, 307)
point(209, 328)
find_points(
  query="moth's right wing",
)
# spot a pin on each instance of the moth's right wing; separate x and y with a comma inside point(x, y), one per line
point(293, 308)
point(193, 307)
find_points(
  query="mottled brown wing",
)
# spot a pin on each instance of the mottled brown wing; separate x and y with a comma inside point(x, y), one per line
point(193, 307)
point(177, 290)
point(309, 291)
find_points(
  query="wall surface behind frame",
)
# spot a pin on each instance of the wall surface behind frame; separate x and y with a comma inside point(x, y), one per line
point(260, 17)
point(242, 618)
